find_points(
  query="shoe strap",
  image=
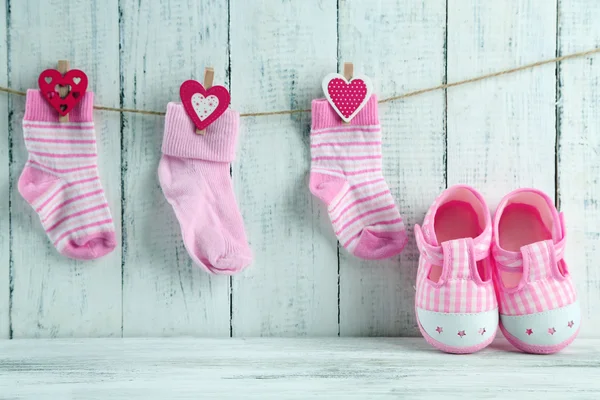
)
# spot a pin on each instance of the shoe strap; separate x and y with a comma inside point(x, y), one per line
point(459, 262)
point(480, 247)
point(536, 252)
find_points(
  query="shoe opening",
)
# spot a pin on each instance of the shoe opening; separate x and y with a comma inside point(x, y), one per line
point(528, 217)
point(461, 215)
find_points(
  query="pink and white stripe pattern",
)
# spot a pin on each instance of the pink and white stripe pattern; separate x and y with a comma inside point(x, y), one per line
point(544, 288)
point(346, 174)
point(61, 182)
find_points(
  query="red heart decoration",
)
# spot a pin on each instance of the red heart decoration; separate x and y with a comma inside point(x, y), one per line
point(202, 105)
point(347, 98)
point(51, 78)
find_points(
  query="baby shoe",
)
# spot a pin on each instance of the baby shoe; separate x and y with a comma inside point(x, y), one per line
point(539, 312)
point(455, 303)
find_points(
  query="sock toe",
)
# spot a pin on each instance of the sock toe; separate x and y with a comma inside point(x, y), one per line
point(90, 247)
point(377, 245)
point(230, 264)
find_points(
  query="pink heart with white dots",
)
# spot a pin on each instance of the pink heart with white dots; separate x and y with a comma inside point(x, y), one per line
point(347, 98)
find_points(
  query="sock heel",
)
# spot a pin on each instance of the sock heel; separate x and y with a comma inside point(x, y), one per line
point(33, 183)
point(326, 187)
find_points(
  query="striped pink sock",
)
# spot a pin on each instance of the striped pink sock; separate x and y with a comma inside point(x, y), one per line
point(346, 175)
point(60, 180)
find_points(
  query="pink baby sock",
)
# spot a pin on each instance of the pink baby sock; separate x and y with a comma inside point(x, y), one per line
point(60, 180)
point(346, 175)
point(194, 176)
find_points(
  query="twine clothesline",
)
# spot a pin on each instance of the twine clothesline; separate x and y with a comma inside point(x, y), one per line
point(385, 100)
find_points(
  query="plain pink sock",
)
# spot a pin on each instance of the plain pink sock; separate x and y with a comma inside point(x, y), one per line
point(194, 176)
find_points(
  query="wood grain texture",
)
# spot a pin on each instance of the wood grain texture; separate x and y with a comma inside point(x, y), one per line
point(400, 45)
point(275, 368)
point(4, 187)
point(501, 132)
point(496, 135)
point(54, 296)
point(579, 152)
point(163, 44)
point(280, 51)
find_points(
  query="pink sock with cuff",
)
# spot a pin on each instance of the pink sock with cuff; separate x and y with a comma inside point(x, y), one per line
point(60, 179)
point(346, 175)
point(194, 176)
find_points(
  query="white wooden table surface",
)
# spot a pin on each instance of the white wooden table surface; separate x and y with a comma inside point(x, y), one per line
point(279, 368)
point(536, 128)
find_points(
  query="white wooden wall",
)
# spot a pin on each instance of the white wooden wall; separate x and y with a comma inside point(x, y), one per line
point(536, 128)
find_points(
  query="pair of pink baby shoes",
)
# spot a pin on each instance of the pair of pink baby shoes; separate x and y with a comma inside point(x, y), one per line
point(476, 274)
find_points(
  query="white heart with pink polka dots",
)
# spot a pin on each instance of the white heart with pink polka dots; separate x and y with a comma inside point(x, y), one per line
point(204, 106)
point(347, 97)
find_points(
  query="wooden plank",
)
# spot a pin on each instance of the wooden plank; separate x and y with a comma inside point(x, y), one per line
point(501, 131)
point(377, 297)
point(4, 186)
point(324, 368)
point(164, 293)
point(54, 296)
point(578, 148)
point(279, 63)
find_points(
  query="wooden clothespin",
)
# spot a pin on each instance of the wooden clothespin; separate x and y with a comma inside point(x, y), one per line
point(348, 73)
point(348, 70)
point(63, 91)
point(209, 75)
